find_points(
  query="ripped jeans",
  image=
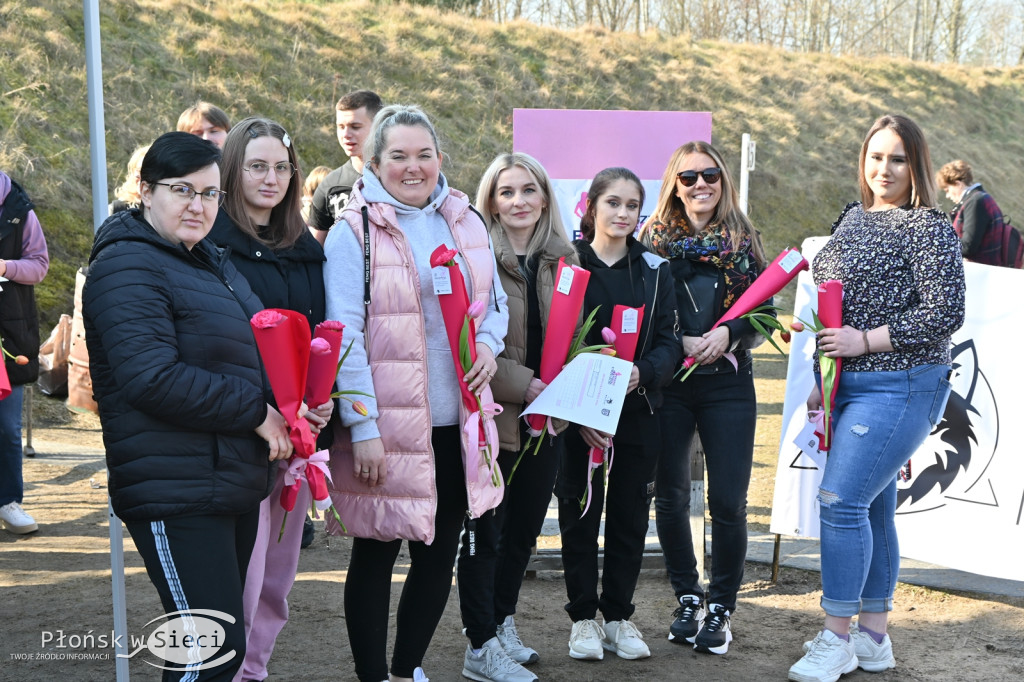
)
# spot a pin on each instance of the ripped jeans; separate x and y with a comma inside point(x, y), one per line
point(879, 420)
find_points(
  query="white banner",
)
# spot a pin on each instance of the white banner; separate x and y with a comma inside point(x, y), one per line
point(961, 497)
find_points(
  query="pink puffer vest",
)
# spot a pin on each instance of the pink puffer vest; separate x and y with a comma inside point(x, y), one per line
point(396, 348)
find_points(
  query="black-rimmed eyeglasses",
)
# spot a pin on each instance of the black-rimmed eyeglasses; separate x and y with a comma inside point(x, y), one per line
point(186, 193)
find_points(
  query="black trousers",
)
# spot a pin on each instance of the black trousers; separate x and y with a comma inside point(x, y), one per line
point(627, 503)
point(427, 585)
point(199, 562)
point(723, 407)
point(496, 547)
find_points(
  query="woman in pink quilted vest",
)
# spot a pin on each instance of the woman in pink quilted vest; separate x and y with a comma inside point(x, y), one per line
point(404, 475)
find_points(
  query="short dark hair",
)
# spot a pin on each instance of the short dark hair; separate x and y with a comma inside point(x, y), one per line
point(598, 186)
point(361, 98)
point(173, 155)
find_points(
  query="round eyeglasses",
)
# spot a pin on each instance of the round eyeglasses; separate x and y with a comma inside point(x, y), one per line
point(259, 169)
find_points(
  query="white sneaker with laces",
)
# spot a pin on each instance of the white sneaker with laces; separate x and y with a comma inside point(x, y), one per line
point(622, 637)
point(513, 646)
point(827, 659)
point(871, 656)
point(16, 520)
point(585, 641)
point(493, 664)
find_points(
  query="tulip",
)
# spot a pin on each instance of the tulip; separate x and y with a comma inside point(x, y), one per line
point(319, 346)
point(608, 351)
point(443, 257)
point(21, 360)
point(785, 336)
point(360, 408)
point(796, 326)
point(608, 335)
point(265, 319)
point(476, 309)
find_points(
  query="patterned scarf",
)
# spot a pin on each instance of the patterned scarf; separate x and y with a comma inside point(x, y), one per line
point(711, 245)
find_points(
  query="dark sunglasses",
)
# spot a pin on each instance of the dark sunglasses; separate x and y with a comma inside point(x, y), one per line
point(710, 175)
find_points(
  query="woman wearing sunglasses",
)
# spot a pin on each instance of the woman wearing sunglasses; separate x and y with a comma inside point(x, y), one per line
point(715, 254)
point(261, 223)
point(181, 392)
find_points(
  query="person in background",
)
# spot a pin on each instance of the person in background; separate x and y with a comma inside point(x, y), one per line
point(975, 214)
point(313, 180)
point(621, 272)
point(354, 114)
point(127, 194)
point(715, 255)
point(24, 262)
point(405, 476)
point(207, 121)
point(903, 296)
point(261, 226)
point(188, 425)
point(520, 210)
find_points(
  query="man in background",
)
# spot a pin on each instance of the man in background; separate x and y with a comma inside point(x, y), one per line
point(354, 114)
point(976, 217)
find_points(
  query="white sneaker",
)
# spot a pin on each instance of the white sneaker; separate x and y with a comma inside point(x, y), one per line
point(493, 664)
point(513, 646)
point(622, 637)
point(871, 657)
point(14, 519)
point(419, 676)
point(827, 659)
point(585, 641)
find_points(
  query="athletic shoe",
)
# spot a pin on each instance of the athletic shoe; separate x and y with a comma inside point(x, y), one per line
point(419, 676)
point(585, 641)
point(493, 664)
point(689, 619)
point(716, 633)
point(308, 533)
point(827, 659)
point(513, 646)
point(622, 637)
point(872, 657)
point(14, 519)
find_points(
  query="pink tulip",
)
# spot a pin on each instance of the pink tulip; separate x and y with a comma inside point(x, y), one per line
point(608, 335)
point(360, 408)
point(265, 319)
point(319, 346)
point(476, 309)
point(608, 351)
point(796, 326)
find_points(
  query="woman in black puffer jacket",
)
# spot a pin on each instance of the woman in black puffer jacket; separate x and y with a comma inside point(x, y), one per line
point(181, 393)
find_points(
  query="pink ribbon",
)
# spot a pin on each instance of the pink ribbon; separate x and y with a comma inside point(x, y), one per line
point(472, 430)
point(817, 417)
point(595, 460)
point(295, 472)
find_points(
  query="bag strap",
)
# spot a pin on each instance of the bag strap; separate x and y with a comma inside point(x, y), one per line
point(366, 255)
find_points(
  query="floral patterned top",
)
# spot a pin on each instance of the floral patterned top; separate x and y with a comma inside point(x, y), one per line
point(903, 268)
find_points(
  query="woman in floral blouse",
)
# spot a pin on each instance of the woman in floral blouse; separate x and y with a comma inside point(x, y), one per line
point(715, 254)
point(903, 296)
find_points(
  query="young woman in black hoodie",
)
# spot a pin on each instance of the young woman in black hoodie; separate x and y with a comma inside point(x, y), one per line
point(622, 272)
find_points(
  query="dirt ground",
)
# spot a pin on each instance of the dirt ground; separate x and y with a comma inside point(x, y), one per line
point(58, 580)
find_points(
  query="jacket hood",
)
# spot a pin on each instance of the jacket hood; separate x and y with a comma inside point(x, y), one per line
point(374, 193)
point(131, 226)
point(636, 254)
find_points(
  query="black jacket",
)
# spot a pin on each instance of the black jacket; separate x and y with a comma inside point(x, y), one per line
point(19, 317)
point(659, 348)
point(700, 296)
point(291, 278)
point(176, 373)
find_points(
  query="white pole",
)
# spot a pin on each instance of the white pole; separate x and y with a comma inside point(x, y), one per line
point(747, 151)
point(97, 136)
point(121, 643)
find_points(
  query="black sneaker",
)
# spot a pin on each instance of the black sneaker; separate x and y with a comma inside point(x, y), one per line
point(715, 635)
point(308, 532)
point(689, 619)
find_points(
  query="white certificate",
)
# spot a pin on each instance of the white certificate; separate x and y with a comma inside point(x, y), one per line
point(589, 391)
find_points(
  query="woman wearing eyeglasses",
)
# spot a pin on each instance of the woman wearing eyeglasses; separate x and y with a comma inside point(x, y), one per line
point(261, 223)
point(187, 424)
point(715, 254)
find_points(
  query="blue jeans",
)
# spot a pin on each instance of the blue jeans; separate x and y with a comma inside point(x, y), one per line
point(11, 485)
point(879, 420)
point(723, 408)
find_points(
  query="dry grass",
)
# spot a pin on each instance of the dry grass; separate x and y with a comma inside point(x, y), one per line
point(290, 61)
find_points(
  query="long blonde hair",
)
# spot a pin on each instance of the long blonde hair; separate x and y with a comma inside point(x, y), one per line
point(549, 228)
point(128, 191)
point(727, 214)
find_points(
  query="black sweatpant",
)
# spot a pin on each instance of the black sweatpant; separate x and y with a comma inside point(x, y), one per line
point(199, 562)
point(427, 585)
point(496, 547)
point(629, 494)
